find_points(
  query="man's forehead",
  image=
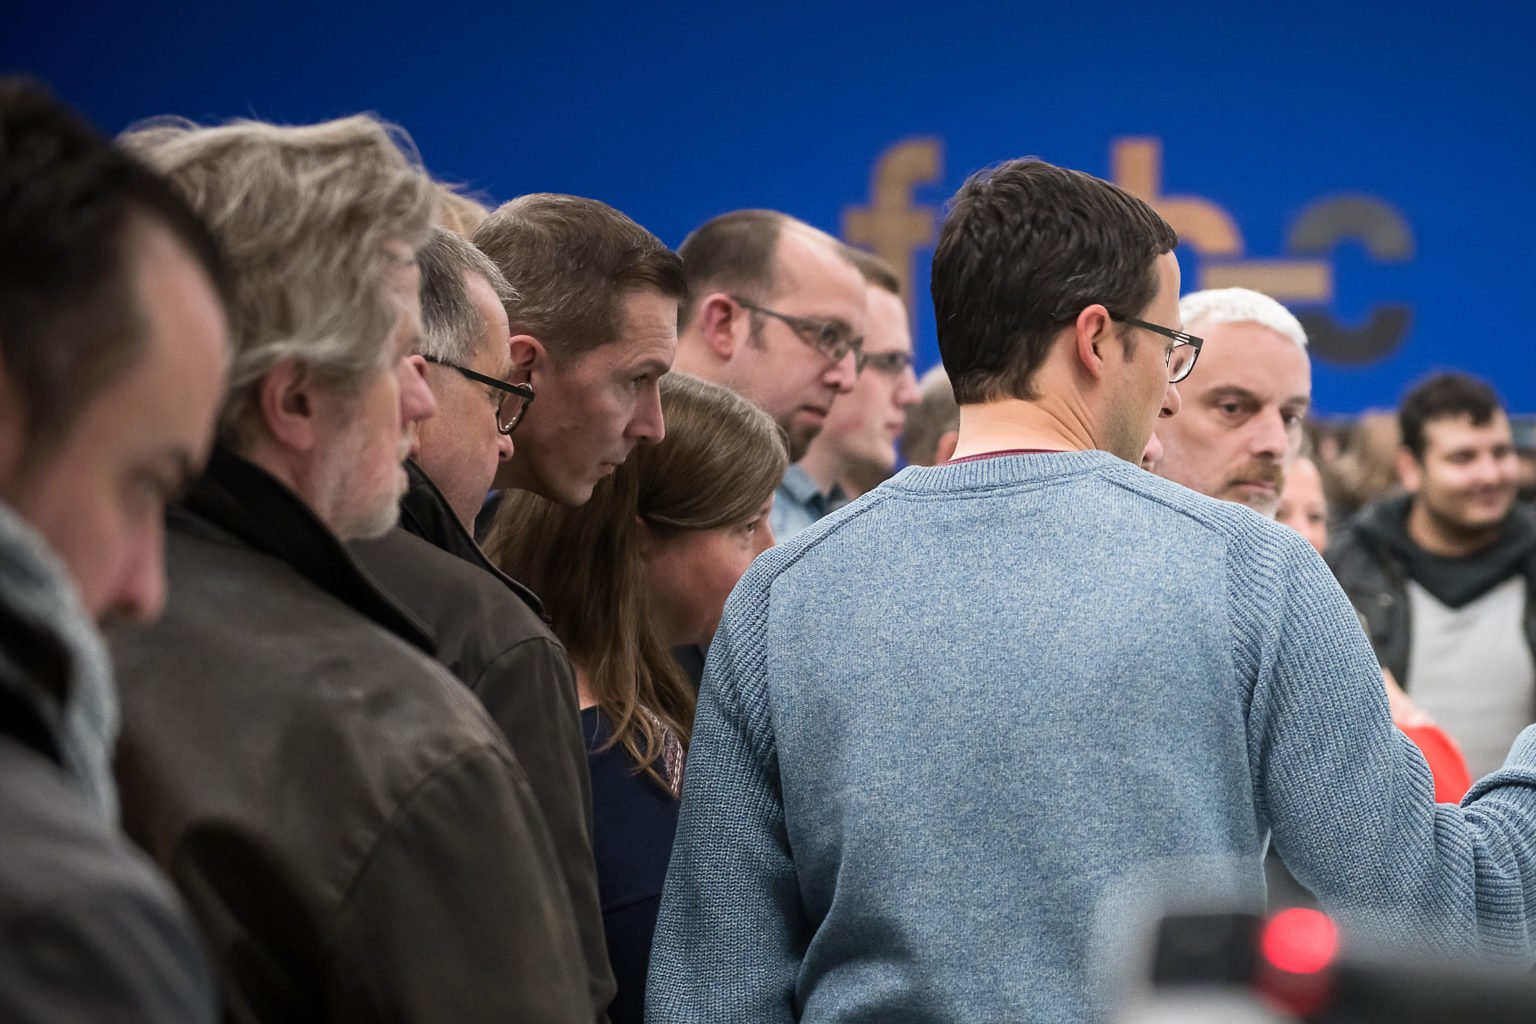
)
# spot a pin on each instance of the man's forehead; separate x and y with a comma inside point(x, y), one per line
point(885, 323)
point(1252, 357)
point(811, 266)
point(1458, 431)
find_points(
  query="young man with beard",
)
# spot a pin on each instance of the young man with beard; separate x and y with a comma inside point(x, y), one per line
point(1441, 576)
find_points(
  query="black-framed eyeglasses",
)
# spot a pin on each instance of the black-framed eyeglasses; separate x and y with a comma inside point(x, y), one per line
point(1186, 347)
point(520, 395)
point(890, 364)
point(830, 339)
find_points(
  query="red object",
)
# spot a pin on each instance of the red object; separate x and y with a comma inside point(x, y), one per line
point(1297, 950)
point(1300, 941)
point(1005, 451)
point(1449, 767)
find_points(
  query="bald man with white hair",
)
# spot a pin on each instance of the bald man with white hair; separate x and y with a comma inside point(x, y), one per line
point(1239, 427)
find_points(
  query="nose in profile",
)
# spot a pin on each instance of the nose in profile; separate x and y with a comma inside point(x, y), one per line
point(1171, 402)
point(139, 591)
point(843, 374)
point(648, 426)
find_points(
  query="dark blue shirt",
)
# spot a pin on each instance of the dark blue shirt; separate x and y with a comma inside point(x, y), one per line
point(634, 819)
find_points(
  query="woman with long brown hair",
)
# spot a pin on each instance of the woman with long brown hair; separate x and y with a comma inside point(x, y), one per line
point(643, 567)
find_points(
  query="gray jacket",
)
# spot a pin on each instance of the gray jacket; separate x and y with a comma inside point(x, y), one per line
point(1367, 558)
point(89, 931)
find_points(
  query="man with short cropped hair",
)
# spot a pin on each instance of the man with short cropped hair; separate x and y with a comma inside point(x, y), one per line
point(1239, 428)
point(933, 424)
point(971, 725)
point(488, 629)
point(348, 826)
point(775, 312)
point(1442, 576)
point(594, 327)
point(856, 448)
point(114, 348)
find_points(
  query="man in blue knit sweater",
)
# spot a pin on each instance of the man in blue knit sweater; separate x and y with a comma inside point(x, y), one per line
point(956, 733)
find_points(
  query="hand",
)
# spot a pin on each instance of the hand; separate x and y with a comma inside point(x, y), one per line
point(1405, 713)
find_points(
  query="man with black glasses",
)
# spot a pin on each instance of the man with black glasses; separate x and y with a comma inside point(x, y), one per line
point(856, 449)
point(972, 725)
point(775, 312)
point(488, 629)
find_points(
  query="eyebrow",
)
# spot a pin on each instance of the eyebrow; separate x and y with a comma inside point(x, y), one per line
point(1237, 391)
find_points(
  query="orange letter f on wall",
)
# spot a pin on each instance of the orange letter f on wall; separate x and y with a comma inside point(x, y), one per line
point(891, 226)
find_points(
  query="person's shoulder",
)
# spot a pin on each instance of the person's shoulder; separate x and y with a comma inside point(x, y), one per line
point(439, 586)
point(88, 929)
point(275, 639)
point(58, 851)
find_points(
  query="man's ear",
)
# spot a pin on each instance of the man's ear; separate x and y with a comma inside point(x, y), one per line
point(645, 539)
point(945, 449)
point(528, 355)
point(1409, 472)
point(288, 403)
point(722, 324)
point(1092, 331)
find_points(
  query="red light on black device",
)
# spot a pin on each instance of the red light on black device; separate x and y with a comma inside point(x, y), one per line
point(1297, 947)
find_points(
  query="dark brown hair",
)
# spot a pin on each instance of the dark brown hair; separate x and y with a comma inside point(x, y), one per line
point(1025, 247)
point(570, 260)
point(69, 200)
point(733, 252)
point(1444, 396)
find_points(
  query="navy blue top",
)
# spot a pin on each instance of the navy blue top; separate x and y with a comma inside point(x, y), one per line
point(634, 819)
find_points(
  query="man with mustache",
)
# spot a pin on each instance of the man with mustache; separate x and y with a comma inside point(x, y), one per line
point(1240, 427)
point(1441, 576)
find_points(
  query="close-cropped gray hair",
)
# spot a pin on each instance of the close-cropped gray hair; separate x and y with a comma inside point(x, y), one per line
point(450, 324)
point(1238, 306)
point(305, 215)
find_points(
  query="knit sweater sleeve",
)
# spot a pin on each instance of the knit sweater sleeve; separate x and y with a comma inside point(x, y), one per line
point(1350, 799)
point(730, 936)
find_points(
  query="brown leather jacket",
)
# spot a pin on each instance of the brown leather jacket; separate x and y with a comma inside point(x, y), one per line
point(490, 632)
point(346, 823)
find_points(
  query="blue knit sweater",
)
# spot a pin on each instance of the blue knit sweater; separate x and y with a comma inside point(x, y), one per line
point(950, 735)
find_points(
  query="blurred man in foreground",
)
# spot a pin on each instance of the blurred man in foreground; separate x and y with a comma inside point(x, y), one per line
point(114, 347)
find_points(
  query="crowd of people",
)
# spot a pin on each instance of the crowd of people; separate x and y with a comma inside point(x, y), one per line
point(418, 611)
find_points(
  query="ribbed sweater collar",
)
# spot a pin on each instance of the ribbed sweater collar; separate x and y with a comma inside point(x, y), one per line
point(1006, 470)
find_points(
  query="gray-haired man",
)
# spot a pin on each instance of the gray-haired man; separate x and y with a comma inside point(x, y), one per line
point(353, 834)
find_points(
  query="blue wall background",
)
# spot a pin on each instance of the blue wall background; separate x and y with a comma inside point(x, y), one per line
point(677, 112)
